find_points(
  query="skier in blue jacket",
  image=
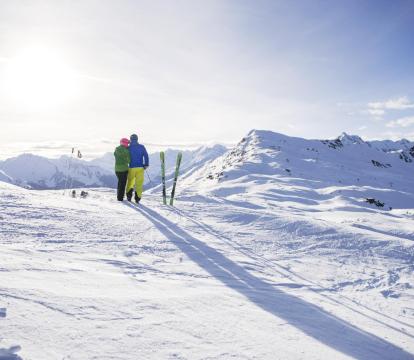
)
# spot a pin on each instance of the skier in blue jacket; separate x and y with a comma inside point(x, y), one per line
point(139, 161)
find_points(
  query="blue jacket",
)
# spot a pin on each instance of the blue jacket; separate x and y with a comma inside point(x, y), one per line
point(138, 154)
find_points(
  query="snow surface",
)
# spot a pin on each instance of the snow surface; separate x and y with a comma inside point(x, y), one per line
point(95, 279)
point(252, 263)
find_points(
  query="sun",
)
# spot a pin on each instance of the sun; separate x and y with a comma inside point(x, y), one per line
point(39, 78)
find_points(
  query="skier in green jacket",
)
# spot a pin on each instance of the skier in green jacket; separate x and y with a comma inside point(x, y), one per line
point(122, 160)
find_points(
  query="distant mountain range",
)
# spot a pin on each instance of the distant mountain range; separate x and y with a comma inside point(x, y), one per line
point(37, 172)
point(192, 159)
point(346, 169)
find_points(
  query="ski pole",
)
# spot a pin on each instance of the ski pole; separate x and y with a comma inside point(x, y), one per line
point(149, 178)
point(67, 171)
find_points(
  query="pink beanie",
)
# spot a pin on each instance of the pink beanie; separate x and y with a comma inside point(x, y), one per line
point(124, 142)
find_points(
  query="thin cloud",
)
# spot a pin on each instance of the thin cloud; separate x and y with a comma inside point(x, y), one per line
point(378, 109)
point(376, 112)
point(396, 135)
point(401, 103)
point(403, 122)
point(95, 78)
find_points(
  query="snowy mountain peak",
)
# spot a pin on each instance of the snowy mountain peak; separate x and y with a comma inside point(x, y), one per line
point(33, 168)
point(404, 142)
point(27, 159)
point(264, 159)
point(350, 139)
point(263, 138)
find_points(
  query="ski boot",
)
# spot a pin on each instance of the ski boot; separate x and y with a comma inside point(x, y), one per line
point(129, 195)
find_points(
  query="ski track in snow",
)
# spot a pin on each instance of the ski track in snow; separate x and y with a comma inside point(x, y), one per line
point(218, 279)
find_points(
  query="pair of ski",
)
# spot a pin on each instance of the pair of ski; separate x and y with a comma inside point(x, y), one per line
point(177, 169)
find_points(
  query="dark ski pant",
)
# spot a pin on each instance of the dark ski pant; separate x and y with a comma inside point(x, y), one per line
point(122, 180)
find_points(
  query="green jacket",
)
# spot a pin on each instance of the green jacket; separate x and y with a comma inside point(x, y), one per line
point(121, 158)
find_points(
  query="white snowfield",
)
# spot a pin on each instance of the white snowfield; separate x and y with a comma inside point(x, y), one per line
point(253, 263)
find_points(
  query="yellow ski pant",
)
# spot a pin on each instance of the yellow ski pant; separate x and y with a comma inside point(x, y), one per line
point(135, 177)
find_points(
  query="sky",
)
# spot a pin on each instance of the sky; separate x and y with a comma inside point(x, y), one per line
point(183, 73)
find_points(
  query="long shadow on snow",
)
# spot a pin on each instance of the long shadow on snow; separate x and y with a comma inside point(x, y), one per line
point(8, 354)
point(277, 267)
point(308, 318)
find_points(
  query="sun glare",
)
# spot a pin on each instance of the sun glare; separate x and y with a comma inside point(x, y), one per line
point(39, 78)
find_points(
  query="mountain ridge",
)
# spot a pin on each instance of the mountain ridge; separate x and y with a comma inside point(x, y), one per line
point(354, 169)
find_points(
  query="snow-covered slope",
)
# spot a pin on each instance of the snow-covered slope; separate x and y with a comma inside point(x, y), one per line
point(345, 170)
point(213, 278)
point(5, 178)
point(271, 249)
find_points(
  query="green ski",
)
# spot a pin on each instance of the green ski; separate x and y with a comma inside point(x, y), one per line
point(177, 169)
point(164, 193)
